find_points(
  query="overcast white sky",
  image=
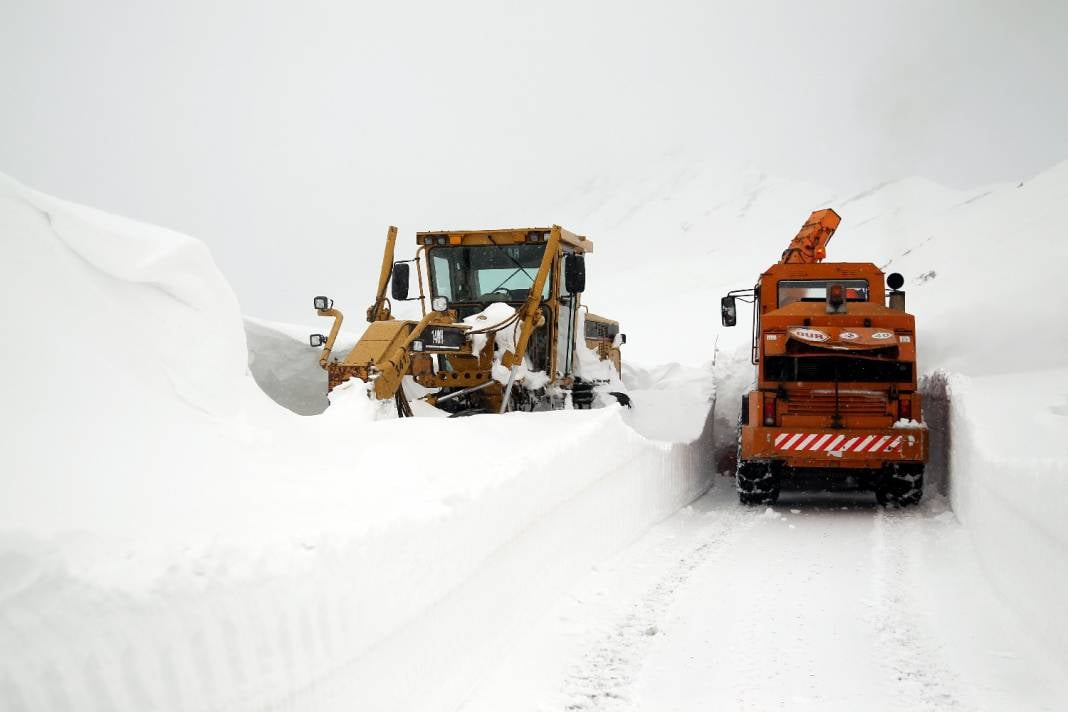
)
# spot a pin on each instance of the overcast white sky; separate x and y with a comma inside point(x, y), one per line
point(288, 135)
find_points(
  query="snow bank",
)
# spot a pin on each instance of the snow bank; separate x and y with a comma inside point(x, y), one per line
point(1009, 455)
point(983, 275)
point(667, 405)
point(119, 340)
point(171, 539)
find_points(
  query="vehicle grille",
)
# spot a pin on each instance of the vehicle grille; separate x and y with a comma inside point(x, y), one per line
point(850, 402)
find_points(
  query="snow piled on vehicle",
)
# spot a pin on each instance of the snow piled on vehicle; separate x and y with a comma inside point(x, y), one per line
point(172, 539)
point(504, 340)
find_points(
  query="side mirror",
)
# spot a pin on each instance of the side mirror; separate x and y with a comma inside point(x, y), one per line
point(575, 274)
point(895, 281)
point(728, 311)
point(399, 288)
point(322, 303)
point(316, 340)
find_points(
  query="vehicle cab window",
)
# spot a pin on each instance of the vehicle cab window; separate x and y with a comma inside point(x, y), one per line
point(815, 290)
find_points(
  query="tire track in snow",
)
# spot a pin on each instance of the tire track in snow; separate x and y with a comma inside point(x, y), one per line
point(601, 681)
point(922, 679)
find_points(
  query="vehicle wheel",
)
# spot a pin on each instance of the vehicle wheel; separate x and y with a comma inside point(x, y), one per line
point(582, 395)
point(757, 482)
point(900, 486)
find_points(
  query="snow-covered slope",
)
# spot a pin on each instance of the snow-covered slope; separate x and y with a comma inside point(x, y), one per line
point(974, 261)
point(983, 272)
point(170, 538)
point(827, 602)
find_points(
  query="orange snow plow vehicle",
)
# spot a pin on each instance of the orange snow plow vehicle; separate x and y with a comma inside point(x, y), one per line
point(835, 403)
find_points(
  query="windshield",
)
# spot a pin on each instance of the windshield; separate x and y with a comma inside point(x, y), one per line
point(815, 290)
point(485, 273)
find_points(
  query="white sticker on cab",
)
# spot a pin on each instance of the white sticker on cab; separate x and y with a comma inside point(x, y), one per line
point(808, 334)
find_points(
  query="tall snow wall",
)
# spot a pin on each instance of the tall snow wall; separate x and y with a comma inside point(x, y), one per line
point(170, 539)
point(1009, 485)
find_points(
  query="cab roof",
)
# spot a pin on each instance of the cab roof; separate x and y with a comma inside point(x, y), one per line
point(507, 236)
point(825, 270)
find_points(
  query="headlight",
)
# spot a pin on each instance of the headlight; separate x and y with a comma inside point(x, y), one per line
point(321, 303)
point(439, 304)
point(417, 345)
point(442, 240)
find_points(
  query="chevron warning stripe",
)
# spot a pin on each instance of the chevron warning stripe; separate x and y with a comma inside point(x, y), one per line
point(827, 442)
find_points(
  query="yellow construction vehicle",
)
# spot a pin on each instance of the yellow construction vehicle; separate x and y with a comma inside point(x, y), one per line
point(502, 331)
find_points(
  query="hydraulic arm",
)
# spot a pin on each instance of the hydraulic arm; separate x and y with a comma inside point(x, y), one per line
point(810, 245)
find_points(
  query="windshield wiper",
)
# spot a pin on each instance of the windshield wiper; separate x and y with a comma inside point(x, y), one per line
point(506, 281)
point(517, 263)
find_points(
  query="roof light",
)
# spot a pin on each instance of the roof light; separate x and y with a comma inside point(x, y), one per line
point(836, 299)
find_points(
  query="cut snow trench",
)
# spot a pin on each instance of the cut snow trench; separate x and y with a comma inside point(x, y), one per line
point(161, 557)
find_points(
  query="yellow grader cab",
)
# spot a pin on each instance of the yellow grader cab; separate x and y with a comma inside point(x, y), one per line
point(501, 332)
point(836, 401)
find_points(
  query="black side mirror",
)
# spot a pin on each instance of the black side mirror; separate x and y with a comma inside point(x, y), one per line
point(316, 340)
point(728, 311)
point(400, 281)
point(895, 281)
point(575, 274)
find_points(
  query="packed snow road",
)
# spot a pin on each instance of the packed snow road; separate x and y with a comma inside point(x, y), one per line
point(823, 602)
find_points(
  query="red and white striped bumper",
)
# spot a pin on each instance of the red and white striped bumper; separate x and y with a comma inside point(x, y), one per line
point(828, 442)
point(808, 447)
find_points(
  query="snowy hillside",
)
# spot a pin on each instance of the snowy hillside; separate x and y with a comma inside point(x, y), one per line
point(970, 259)
point(171, 538)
